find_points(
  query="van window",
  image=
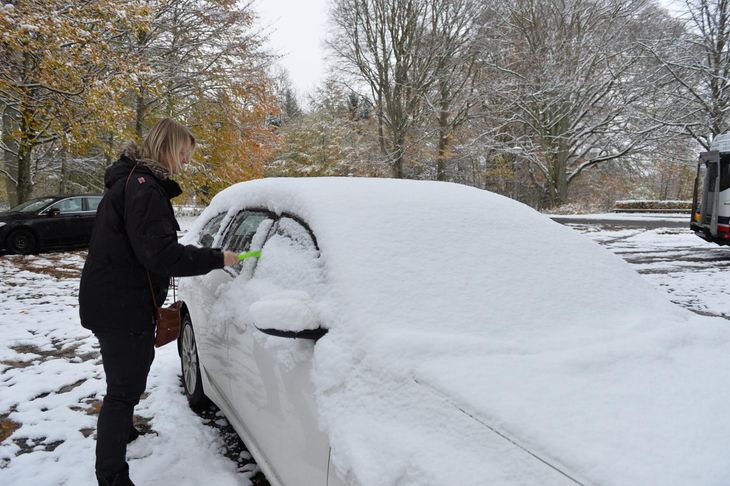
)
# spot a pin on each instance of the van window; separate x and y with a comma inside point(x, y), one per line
point(724, 173)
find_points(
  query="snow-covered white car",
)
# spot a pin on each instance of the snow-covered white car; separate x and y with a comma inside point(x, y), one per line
point(425, 333)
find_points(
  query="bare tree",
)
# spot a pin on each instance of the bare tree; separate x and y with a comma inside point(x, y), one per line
point(286, 97)
point(696, 69)
point(565, 83)
point(391, 46)
point(192, 47)
point(455, 26)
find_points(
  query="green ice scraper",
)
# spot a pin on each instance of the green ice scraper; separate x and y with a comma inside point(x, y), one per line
point(249, 254)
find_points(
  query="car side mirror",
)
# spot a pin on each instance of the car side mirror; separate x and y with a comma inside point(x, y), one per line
point(288, 315)
point(53, 212)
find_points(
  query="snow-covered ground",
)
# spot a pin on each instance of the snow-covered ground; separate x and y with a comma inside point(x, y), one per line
point(51, 379)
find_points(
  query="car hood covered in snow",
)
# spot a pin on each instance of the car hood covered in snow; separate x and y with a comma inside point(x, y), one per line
point(474, 341)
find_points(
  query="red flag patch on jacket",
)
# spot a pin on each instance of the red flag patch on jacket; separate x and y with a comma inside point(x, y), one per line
point(141, 180)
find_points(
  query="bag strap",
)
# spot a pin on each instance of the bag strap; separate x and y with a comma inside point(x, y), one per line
point(124, 191)
point(149, 279)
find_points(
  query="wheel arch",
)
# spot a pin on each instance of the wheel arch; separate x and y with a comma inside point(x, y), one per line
point(183, 312)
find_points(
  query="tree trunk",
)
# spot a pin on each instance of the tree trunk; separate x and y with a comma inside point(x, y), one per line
point(109, 154)
point(559, 153)
point(398, 156)
point(10, 159)
point(561, 193)
point(442, 149)
point(441, 160)
point(63, 181)
point(25, 185)
point(170, 100)
point(381, 134)
point(444, 132)
point(140, 112)
point(559, 182)
point(398, 167)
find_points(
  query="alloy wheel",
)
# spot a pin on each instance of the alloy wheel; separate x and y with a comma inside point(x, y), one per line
point(189, 360)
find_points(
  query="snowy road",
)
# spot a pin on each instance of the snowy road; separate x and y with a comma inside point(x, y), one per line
point(51, 380)
point(693, 272)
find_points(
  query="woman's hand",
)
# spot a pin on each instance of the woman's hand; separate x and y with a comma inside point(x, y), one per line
point(230, 258)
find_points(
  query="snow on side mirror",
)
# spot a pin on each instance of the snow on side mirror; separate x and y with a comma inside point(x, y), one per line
point(287, 314)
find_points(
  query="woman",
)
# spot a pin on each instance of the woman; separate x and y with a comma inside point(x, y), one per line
point(134, 246)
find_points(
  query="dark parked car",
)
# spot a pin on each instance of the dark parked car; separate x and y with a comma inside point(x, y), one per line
point(51, 222)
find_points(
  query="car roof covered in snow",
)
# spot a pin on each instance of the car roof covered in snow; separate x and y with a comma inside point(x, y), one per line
point(424, 249)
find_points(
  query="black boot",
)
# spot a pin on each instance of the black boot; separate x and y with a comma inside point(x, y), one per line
point(119, 479)
point(133, 434)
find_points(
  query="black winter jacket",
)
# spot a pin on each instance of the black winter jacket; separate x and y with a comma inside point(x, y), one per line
point(135, 231)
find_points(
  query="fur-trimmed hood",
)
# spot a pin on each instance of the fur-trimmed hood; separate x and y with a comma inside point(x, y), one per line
point(131, 160)
point(133, 152)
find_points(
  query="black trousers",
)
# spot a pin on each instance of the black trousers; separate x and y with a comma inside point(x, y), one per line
point(126, 358)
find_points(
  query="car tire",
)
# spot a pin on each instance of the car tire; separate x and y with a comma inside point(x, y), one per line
point(190, 365)
point(21, 242)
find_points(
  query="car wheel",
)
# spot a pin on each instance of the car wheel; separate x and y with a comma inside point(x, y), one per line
point(21, 242)
point(191, 366)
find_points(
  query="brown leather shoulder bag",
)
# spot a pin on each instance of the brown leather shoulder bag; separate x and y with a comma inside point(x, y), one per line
point(167, 319)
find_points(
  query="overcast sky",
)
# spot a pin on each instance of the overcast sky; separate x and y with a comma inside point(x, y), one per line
point(297, 29)
point(297, 32)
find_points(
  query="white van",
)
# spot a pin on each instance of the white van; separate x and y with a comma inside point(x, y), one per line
point(711, 207)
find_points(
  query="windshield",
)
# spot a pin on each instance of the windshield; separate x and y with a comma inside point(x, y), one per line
point(33, 205)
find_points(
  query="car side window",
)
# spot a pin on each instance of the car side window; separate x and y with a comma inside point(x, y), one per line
point(242, 230)
point(290, 258)
point(248, 231)
point(92, 203)
point(70, 205)
point(211, 228)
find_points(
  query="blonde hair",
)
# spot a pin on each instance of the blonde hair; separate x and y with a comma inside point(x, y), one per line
point(165, 141)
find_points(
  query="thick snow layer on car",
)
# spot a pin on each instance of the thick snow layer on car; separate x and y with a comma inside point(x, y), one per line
point(474, 341)
point(286, 311)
